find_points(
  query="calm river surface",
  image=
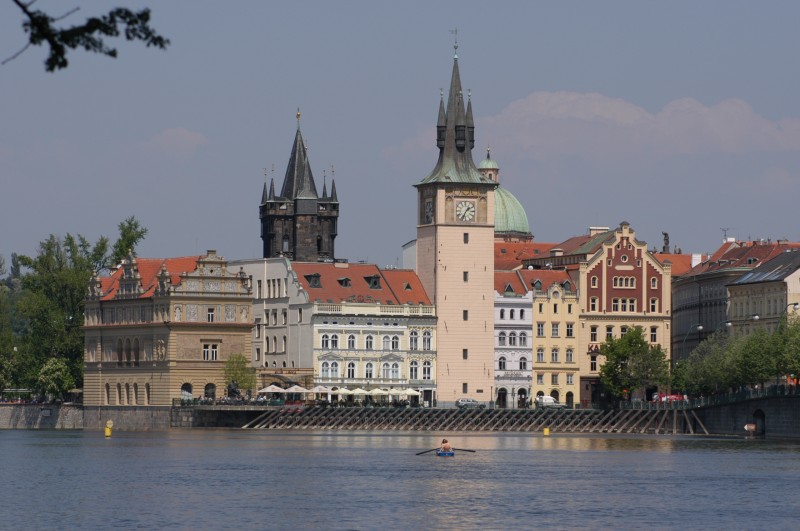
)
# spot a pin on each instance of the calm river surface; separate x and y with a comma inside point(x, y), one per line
point(232, 479)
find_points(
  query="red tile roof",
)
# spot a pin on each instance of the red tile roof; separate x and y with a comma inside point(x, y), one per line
point(149, 268)
point(741, 255)
point(504, 279)
point(509, 255)
point(681, 263)
point(343, 282)
point(547, 277)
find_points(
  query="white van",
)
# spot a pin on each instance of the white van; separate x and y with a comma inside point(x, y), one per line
point(549, 402)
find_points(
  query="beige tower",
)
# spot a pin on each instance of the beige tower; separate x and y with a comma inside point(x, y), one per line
point(455, 255)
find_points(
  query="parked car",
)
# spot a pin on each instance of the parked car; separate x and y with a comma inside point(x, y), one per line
point(469, 403)
point(549, 402)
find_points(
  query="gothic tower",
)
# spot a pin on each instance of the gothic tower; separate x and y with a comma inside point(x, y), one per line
point(298, 224)
point(455, 254)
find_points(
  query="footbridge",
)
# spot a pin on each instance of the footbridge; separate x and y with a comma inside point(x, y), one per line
point(658, 422)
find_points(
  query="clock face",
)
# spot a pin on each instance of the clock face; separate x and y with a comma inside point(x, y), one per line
point(465, 210)
point(428, 211)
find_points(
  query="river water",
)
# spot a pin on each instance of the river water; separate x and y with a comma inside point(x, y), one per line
point(257, 479)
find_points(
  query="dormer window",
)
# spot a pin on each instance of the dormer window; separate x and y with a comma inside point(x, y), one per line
point(537, 285)
point(344, 282)
point(509, 289)
point(374, 282)
point(313, 281)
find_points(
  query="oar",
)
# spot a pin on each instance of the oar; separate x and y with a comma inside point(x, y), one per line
point(465, 450)
point(426, 451)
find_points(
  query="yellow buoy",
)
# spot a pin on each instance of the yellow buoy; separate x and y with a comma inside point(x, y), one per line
point(546, 432)
point(109, 425)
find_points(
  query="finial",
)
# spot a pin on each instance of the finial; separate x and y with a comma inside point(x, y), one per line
point(469, 94)
point(488, 152)
point(333, 173)
point(455, 44)
point(298, 117)
point(265, 176)
point(441, 93)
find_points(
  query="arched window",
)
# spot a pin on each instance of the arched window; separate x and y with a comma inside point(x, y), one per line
point(426, 370)
point(502, 314)
point(395, 370)
point(135, 352)
point(120, 353)
point(210, 391)
point(395, 343)
point(522, 314)
point(107, 397)
point(386, 371)
point(523, 339)
point(267, 345)
point(368, 371)
point(387, 343)
point(186, 391)
point(351, 342)
point(351, 369)
point(285, 246)
point(554, 355)
point(512, 339)
point(326, 369)
point(570, 356)
point(594, 282)
point(501, 364)
point(413, 340)
point(334, 341)
point(326, 341)
point(540, 355)
point(334, 369)
point(413, 373)
point(501, 339)
point(127, 352)
point(523, 364)
point(426, 340)
point(370, 343)
point(511, 314)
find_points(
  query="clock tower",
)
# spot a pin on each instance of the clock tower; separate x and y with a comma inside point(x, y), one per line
point(455, 254)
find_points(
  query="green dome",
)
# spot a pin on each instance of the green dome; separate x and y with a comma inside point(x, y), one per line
point(509, 216)
point(488, 164)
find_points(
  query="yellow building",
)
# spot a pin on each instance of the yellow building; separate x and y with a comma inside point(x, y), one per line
point(162, 329)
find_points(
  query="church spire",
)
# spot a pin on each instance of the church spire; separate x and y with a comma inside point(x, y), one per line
point(299, 181)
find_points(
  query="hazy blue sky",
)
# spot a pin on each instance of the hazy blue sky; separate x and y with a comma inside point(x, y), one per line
point(675, 116)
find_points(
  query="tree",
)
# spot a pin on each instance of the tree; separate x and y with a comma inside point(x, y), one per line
point(632, 363)
point(130, 234)
point(55, 378)
point(238, 369)
point(42, 29)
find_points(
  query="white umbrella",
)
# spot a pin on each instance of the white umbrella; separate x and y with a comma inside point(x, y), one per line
point(319, 389)
point(342, 391)
point(272, 388)
point(411, 392)
point(378, 392)
point(297, 389)
point(359, 391)
point(397, 392)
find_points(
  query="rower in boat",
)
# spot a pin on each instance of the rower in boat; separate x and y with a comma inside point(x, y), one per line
point(445, 450)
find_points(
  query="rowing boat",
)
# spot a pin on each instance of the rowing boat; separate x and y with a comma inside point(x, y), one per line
point(440, 453)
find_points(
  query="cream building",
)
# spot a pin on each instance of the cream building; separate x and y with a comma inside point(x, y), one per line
point(158, 330)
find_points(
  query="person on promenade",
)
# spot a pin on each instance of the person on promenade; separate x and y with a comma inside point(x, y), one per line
point(446, 447)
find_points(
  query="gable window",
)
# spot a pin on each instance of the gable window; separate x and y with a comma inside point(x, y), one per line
point(653, 282)
point(313, 281)
point(594, 282)
point(374, 282)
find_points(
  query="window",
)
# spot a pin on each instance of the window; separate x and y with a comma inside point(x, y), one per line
point(502, 314)
point(511, 314)
point(413, 371)
point(593, 304)
point(615, 305)
point(653, 282)
point(426, 340)
point(258, 328)
point(653, 305)
point(593, 363)
point(386, 371)
point(522, 314)
point(541, 307)
point(466, 237)
point(210, 315)
point(570, 379)
point(395, 342)
point(623, 305)
point(210, 352)
point(326, 341)
point(540, 355)
point(622, 331)
point(523, 364)
point(653, 334)
point(426, 370)
point(334, 341)
point(570, 356)
point(540, 378)
point(609, 332)
point(465, 354)
point(501, 364)
point(554, 355)
point(284, 316)
point(512, 339)
point(554, 330)
point(370, 343)
point(387, 343)
point(539, 329)
point(334, 369)
point(569, 308)
point(299, 315)
point(258, 354)
point(501, 339)
point(465, 388)
point(554, 379)
point(632, 305)
point(466, 276)
point(570, 331)
point(593, 334)
point(555, 308)
point(594, 282)
point(413, 340)
point(395, 371)
point(523, 339)
point(351, 370)
point(351, 342)
point(466, 315)
point(368, 371)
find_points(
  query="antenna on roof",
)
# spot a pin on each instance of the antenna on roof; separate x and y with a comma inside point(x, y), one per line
point(725, 233)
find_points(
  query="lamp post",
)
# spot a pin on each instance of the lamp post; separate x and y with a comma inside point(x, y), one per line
point(692, 328)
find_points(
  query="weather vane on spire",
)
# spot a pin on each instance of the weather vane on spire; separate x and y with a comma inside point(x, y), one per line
point(298, 117)
point(455, 44)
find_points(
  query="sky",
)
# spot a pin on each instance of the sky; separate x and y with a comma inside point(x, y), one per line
point(680, 117)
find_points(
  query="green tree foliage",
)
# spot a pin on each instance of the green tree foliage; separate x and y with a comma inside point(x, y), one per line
point(55, 378)
point(632, 363)
point(238, 369)
point(43, 29)
point(130, 234)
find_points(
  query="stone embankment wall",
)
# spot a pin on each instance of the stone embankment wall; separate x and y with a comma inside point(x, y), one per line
point(777, 417)
point(127, 418)
point(40, 416)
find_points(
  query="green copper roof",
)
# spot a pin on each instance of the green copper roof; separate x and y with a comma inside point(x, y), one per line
point(488, 164)
point(509, 216)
